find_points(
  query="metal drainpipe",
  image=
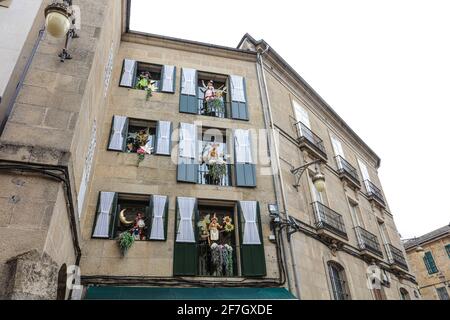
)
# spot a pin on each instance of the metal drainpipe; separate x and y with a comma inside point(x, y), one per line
point(280, 185)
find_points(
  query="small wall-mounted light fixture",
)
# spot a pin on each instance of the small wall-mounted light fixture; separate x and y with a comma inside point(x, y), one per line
point(60, 22)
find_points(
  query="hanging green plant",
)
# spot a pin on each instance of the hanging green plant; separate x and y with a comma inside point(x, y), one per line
point(126, 241)
point(215, 105)
point(217, 169)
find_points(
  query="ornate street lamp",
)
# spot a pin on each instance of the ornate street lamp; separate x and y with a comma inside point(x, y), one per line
point(60, 22)
point(318, 179)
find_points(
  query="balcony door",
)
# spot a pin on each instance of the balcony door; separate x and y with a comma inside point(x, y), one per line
point(338, 151)
point(365, 175)
point(301, 115)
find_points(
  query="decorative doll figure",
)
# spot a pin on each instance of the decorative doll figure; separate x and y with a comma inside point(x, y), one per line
point(210, 92)
point(138, 228)
point(141, 138)
point(214, 227)
point(130, 145)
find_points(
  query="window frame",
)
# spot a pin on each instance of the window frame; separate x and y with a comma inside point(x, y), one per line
point(427, 259)
point(336, 269)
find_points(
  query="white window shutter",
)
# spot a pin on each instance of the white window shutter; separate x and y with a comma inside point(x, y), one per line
point(188, 81)
point(237, 88)
point(163, 138)
point(128, 73)
point(159, 207)
point(101, 229)
point(251, 231)
point(188, 137)
point(185, 232)
point(243, 147)
point(168, 79)
point(116, 141)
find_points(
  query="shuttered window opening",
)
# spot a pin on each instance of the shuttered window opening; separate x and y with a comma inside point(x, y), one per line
point(205, 249)
point(213, 95)
point(245, 169)
point(129, 135)
point(137, 75)
point(143, 216)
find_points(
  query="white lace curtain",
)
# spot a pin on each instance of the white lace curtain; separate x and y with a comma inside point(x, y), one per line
point(102, 224)
point(163, 142)
point(251, 231)
point(188, 78)
point(159, 206)
point(243, 146)
point(237, 88)
point(185, 231)
point(187, 140)
point(167, 83)
point(129, 67)
point(116, 142)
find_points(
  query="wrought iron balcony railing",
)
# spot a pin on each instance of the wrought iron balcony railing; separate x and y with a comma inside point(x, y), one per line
point(344, 167)
point(329, 219)
point(204, 176)
point(374, 192)
point(305, 134)
point(396, 256)
point(213, 108)
point(368, 241)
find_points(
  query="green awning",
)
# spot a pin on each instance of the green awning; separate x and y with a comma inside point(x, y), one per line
point(147, 293)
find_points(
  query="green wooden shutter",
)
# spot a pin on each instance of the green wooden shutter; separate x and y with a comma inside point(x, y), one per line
point(188, 94)
point(185, 255)
point(244, 169)
point(253, 260)
point(239, 109)
point(187, 168)
point(123, 133)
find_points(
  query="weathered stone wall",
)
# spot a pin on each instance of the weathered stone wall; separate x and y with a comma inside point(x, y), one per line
point(50, 124)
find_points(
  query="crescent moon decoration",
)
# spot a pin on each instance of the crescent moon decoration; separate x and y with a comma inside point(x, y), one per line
point(123, 219)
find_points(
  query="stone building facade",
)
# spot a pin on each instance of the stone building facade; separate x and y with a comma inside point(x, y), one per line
point(429, 258)
point(73, 183)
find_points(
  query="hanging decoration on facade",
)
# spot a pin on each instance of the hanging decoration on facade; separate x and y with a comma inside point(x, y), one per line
point(216, 236)
point(145, 82)
point(213, 103)
point(137, 231)
point(141, 143)
point(215, 162)
point(222, 260)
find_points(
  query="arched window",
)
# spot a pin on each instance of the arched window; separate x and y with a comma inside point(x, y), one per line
point(62, 280)
point(338, 281)
point(404, 294)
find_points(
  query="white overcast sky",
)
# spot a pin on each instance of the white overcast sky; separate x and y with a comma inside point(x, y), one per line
point(384, 66)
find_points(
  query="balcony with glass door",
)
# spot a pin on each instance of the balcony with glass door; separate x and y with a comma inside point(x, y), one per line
point(213, 168)
point(310, 142)
point(347, 172)
point(374, 194)
point(368, 244)
point(328, 222)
